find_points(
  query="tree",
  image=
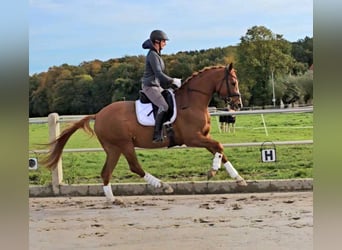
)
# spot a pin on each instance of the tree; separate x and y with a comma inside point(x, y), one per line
point(298, 88)
point(179, 66)
point(262, 55)
point(82, 102)
point(306, 83)
point(34, 83)
point(302, 51)
point(92, 68)
point(291, 94)
point(39, 105)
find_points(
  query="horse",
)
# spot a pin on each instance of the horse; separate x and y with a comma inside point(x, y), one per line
point(119, 132)
point(227, 122)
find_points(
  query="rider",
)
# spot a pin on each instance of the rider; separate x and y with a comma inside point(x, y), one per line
point(155, 80)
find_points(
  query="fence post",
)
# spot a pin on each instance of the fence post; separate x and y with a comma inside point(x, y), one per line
point(54, 132)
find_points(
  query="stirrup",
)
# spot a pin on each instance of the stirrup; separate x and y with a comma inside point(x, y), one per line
point(158, 140)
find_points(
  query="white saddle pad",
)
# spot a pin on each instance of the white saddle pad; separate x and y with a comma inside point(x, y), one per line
point(144, 112)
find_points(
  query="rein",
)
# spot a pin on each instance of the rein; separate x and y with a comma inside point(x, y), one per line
point(225, 79)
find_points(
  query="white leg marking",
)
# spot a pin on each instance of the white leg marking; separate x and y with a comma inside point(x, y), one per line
point(231, 170)
point(109, 193)
point(150, 179)
point(217, 161)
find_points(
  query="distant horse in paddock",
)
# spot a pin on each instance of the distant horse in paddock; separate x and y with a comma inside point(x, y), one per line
point(227, 122)
point(119, 130)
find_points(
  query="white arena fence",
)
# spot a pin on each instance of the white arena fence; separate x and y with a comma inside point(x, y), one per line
point(54, 121)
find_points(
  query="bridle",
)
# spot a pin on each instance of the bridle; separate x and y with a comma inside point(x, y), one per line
point(228, 98)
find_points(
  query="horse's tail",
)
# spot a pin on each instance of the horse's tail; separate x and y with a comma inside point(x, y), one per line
point(57, 145)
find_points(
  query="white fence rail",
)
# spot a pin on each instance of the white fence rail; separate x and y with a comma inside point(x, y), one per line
point(263, 111)
point(226, 145)
point(213, 112)
point(54, 120)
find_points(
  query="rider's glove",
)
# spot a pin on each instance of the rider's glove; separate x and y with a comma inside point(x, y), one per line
point(177, 82)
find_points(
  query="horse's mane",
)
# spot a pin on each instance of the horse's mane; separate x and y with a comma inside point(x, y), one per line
point(201, 71)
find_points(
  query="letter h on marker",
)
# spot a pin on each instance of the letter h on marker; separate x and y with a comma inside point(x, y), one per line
point(268, 155)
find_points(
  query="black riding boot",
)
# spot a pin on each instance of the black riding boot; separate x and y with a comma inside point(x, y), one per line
point(158, 129)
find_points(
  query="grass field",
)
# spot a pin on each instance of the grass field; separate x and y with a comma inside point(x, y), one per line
point(192, 164)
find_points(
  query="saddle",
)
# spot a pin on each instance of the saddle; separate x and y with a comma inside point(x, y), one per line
point(146, 111)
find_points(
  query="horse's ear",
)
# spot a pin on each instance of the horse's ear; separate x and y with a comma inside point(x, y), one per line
point(230, 67)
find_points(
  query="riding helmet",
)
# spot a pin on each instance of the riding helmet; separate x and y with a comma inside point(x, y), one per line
point(158, 35)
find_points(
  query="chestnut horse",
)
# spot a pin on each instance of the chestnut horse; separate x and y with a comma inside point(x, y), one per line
point(117, 128)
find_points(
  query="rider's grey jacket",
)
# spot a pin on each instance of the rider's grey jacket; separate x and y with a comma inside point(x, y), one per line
point(154, 67)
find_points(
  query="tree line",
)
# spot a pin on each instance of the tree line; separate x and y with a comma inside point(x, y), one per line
point(265, 62)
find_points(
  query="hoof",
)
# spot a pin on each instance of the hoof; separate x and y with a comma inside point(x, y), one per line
point(114, 201)
point(211, 173)
point(167, 188)
point(241, 182)
point(118, 201)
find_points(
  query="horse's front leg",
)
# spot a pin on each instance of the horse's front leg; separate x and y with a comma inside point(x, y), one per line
point(220, 158)
point(216, 149)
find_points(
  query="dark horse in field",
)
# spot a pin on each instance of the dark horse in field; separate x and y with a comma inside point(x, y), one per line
point(119, 132)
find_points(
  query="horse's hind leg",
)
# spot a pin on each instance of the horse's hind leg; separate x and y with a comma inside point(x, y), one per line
point(113, 155)
point(129, 152)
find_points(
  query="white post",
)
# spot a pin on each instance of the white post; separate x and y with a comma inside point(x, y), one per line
point(218, 124)
point(263, 121)
point(273, 93)
point(54, 132)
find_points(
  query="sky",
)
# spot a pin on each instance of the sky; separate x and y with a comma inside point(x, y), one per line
point(75, 31)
